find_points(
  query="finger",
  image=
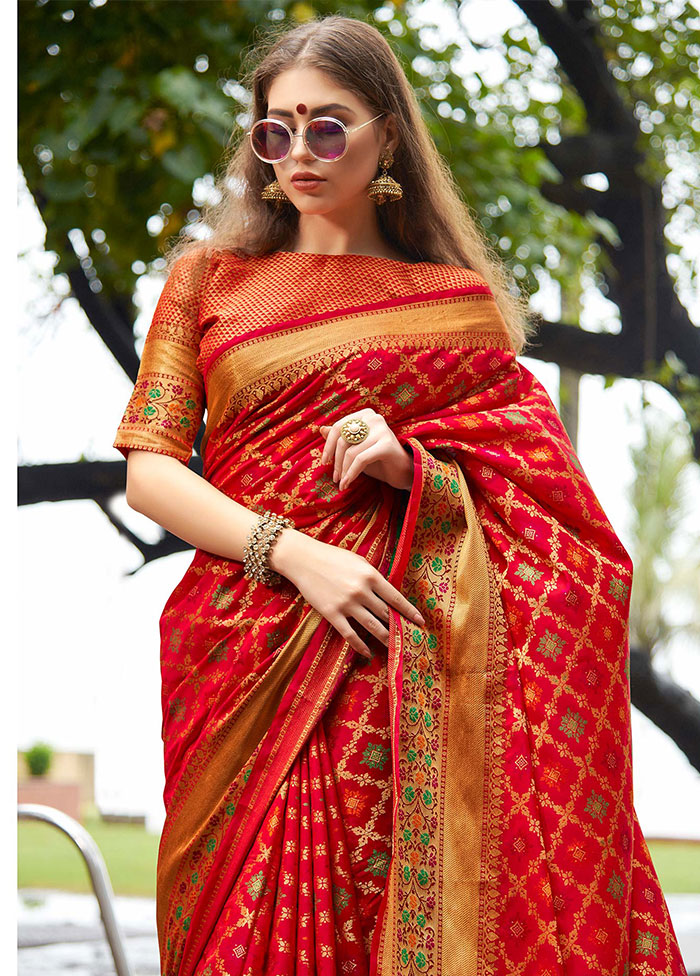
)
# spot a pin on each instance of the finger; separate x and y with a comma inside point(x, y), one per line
point(378, 607)
point(341, 449)
point(329, 451)
point(336, 443)
point(347, 632)
point(323, 431)
point(396, 599)
point(372, 624)
point(360, 461)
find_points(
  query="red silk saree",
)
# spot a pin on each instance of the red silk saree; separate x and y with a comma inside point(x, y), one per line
point(461, 804)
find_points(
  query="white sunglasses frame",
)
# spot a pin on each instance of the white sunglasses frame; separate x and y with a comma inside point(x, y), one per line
point(302, 134)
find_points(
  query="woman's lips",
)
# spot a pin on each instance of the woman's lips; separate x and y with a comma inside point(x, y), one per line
point(307, 184)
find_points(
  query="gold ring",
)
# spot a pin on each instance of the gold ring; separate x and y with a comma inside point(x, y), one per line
point(354, 430)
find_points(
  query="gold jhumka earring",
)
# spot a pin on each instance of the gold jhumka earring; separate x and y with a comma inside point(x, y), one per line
point(381, 189)
point(273, 191)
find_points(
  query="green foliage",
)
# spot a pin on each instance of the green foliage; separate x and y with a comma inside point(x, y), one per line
point(123, 106)
point(39, 758)
point(665, 598)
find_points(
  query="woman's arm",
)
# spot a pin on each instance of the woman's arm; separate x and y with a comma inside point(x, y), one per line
point(339, 583)
point(177, 498)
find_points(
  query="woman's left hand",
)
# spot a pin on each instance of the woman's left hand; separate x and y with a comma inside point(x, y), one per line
point(379, 455)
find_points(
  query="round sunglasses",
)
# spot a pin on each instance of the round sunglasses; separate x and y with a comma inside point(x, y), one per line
point(326, 138)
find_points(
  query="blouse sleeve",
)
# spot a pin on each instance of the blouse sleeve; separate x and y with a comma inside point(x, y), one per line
point(166, 406)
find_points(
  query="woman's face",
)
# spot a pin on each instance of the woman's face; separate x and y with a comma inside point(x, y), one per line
point(299, 94)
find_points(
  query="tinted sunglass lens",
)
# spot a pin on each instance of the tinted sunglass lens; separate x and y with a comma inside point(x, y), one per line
point(270, 140)
point(325, 139)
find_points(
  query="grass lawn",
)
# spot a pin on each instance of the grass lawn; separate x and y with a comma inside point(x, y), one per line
point(49, 859)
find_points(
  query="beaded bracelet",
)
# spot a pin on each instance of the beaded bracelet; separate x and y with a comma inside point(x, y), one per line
point(258, 545)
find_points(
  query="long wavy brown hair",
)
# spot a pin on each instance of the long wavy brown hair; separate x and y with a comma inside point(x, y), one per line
point(432, 222)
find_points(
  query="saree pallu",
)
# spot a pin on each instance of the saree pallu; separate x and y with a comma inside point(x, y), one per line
point(462, 803)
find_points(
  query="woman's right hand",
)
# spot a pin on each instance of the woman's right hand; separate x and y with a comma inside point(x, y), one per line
point(340, 584)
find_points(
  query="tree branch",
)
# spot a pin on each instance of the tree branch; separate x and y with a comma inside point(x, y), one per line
point(669, 706)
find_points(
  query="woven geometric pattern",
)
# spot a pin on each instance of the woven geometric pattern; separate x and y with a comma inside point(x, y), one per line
point(209, 300)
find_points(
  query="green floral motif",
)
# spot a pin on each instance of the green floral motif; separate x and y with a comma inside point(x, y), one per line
point(195, 878)
point(149, 410)
point(276, 638)
point(572, 724)
point(596, 806)
point(421, 960)
point(257, 885)
point(190, 404)
point(247, 773)
point(616, 886)
point(375, 755)
point(211, 844)
point(647, 943)
point(222, 597)
point(528, 573)
point(409, 794)
point(219, 652)
point(423, 877)
point(420, 919)
point(454, 486)
point(427, 798)
point(378, 863)
point(186, 922)
point(428, 680)
point(177, 709)
point(417, 561)
point(438, 481)
point(551, 645)
point(514, 417)
point(155, 393)
point(428, 521)
point(230, 809)
point(405, 394)
point(437, 565)
point(411, 755)
point(175, 640)
point(618, 590)
point(178, 911)
point(185, 422)
point(340, 898)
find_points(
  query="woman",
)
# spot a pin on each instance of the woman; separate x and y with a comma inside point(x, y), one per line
point(397, 731)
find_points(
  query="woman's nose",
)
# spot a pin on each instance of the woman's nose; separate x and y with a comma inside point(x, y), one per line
point(299, 150)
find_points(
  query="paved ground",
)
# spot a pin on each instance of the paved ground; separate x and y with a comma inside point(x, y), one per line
point(62, 933)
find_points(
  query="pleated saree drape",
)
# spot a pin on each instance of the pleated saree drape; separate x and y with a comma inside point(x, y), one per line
point(461, 804)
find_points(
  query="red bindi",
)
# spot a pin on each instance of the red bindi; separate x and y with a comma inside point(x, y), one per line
point(301, 108)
